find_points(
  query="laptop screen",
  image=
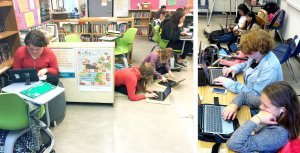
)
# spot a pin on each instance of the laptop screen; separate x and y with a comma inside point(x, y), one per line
point(167, 91)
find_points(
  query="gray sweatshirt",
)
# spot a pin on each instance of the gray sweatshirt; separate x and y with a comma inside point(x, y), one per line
point(249, 137)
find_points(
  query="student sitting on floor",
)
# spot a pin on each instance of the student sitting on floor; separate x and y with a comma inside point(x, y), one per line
point(129, 81)
point(277, 122)
point(36, 54)
point(160, 61)
point(231, 35)
point(261, 68)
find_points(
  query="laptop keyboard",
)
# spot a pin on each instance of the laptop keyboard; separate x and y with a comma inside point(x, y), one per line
point(214, 73)
point(213, 119)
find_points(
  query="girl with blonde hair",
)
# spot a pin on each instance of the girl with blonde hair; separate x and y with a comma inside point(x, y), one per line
point(160, 62)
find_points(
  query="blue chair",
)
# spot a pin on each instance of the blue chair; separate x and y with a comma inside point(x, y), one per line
point(283, 53)
point(204, 6)
point(274, 25)
point(296, 51)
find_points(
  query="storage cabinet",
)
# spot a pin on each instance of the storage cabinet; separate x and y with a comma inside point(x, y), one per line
point(141, 21)
point(91, 28)
point(10, 36)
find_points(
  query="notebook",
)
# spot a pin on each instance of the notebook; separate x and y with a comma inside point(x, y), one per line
point(162, 95)
point(210, 120)
point(37, 90)
point(173, 83)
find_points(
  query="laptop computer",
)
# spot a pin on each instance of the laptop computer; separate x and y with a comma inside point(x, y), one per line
point(212, 73)
point(162, 95)
point(188, 36)
point(23, 75)
point(173, 83)
point(210, 120)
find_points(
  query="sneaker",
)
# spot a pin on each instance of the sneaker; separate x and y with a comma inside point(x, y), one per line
point(182, 64)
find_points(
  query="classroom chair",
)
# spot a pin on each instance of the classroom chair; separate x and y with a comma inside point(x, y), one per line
point(14, 116)
point(124, 45)
point(72, 38)
point(275, 25)
point(163, 44)
point(283, 53)
point(156, 36)
point(204, 6)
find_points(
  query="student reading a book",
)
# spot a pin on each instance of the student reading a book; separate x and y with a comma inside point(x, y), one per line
point(36, 54)
point(129, 81)
point(277, 122)
point(171, 30)
point(261, 68)
point(160, 61)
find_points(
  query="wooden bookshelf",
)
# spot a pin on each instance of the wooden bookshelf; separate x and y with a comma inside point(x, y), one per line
point(93, 26)
point(141, 21)
point(11, 33)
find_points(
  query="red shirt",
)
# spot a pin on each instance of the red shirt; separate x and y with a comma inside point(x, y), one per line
point(22, 59)
point(129, 77)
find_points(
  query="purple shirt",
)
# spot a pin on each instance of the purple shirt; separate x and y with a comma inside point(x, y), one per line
point(153, 58)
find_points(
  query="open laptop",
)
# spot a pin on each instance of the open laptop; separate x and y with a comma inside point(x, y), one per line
point(188, 36)
point(162, 95)
point(210, 120)
point(23, 75)
point(212, 73)
point(173, 83)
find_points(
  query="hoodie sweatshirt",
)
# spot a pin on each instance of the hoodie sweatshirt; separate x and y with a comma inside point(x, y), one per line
point(129, 77)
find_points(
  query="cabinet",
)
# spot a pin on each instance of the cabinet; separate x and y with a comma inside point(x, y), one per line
point(141, 21)
point(10, 36)
point(91, 28)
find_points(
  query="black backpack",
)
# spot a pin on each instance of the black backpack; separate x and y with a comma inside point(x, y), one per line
point(210, 54)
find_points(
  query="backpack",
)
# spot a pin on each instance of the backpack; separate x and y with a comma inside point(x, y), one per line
point(210, 54)
point(277, 18)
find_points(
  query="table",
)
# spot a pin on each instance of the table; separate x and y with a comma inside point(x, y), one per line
point(41, 100)
point(208, 98)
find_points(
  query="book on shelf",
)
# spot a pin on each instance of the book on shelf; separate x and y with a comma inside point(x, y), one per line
point(4, 52)
point(2, 24)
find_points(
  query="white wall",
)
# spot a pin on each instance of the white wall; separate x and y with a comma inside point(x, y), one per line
point(224, 5)
point(292, 24)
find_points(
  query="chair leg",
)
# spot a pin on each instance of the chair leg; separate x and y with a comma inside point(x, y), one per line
point(280, 36)
point(291, 69)
point(11, 139)
point(125, 61)
point(152, 48)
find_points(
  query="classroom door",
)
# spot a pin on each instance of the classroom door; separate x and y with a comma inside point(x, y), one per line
point(100, 8)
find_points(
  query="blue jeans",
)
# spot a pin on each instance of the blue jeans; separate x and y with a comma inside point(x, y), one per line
point(227, 37)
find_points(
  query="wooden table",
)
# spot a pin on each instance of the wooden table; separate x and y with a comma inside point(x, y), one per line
point(208, 97)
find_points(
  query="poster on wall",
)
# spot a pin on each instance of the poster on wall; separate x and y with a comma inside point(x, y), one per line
point(94, 69)
point(26, 12)
point(66, 59)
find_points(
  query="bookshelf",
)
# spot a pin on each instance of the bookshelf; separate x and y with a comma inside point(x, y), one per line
point(91, 28)
point(141, 21)
point(9, 37)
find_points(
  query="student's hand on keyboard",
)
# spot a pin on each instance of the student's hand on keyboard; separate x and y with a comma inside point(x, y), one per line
point(227, 70)
point(229, 112)
point(220, 80)
point(164, 79)
point(42, 72)
point(151, 95)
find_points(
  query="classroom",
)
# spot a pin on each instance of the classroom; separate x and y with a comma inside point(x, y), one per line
point(248, 63)
point(97, 76)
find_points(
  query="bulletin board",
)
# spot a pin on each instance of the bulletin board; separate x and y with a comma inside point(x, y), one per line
point(27, 13)
point(170, 4)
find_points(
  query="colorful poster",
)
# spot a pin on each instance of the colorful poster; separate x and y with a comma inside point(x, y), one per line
point(94, 69)
point(29, 19)
point(171, 2)
point(66, 59)
point(23, 6)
